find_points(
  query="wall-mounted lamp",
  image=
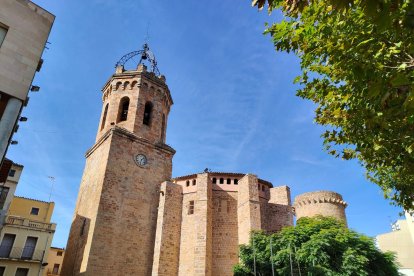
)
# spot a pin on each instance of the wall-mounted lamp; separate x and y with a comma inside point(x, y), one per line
point(14, 142)
point(34, 88)
point(23, 119)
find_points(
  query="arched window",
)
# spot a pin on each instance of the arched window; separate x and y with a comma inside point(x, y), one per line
point(104, 116)
point(147, 114)
point(163, 128)
point(214, 180)
point(187, 183)
point(228, 181)
point(123, 109)
point(194, 182)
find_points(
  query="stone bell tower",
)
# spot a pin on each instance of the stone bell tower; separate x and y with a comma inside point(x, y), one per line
point(114, 224)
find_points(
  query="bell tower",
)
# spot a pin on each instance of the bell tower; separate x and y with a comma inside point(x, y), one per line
point(114, 225)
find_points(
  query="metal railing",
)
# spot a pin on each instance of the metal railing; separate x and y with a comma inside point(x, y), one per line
point(21, 253)
point(13, 220)
point(50, 272)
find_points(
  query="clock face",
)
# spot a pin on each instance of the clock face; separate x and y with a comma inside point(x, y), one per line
point(141, 160)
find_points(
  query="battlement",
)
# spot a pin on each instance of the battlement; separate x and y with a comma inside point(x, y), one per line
point(319, 197)
point(324, 203)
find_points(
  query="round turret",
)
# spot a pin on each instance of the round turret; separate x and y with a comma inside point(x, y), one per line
point(324, 203)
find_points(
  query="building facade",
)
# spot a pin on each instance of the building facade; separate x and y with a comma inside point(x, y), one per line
point(8, 188)
point(400, 241)
point(132, 218)
point(24, 29)
point(54, 261)
point(26, 237)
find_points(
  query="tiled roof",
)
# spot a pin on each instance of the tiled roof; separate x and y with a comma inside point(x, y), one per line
point(33, 199)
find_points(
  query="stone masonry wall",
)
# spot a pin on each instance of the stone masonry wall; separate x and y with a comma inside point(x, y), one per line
point(324, 203)
point(188, 237)
point(225, 244)
point(277, 212)
point(126, 222)
point(203, 212)
point(83, 224)
point(248, 212)
point(167, 238)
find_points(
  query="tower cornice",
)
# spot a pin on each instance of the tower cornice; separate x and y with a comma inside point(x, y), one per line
point(149, 76)
point(115, 130)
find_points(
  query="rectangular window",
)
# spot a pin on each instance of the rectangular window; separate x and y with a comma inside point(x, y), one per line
point(236, 181)
point(7, 245)
point(34, 211)
point(228, 181)
point(12, 173)
point(3, 32)
point(55, 269)
point(221, 180)
point(2, 269)
point(22, 272)
point(59, 253)
point(4, 191)
point(29, 248)
point(191, 207)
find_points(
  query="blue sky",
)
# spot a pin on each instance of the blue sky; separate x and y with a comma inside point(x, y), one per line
point(234, 108)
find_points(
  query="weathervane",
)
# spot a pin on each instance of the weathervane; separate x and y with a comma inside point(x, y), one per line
point(144, 54)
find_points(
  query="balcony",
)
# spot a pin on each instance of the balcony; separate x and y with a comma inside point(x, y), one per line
point(19, 221)
point(27, 253)
point(52, 273)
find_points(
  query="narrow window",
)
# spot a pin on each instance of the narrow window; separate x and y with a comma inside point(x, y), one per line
point(163, 128)
point(236, 181)
point(194, 182)
point(7, 245)
point(104, 116)
point(29, 248)
point(56, 269)
point(214, 180)
point(258, 187)
point(228, 181)
point(187, 183)
point(22, 272)
point(147, 113)
point(221, 180)
point(263, 188)
point(191, 207)
point(34, 211)
point(83, 227)
point(123, 109)
point(4, 191)
point(3, 32)
point(12, 173)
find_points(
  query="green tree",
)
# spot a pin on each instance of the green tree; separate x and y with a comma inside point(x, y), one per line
point(357, 61)
point(316, 246)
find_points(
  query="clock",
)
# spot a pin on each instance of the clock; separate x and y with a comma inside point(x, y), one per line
point(141, 160)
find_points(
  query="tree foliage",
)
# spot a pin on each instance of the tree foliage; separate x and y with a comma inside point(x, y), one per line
point(316, 246)
point(357, 60)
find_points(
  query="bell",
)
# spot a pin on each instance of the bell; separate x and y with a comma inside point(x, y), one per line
point(144, 55)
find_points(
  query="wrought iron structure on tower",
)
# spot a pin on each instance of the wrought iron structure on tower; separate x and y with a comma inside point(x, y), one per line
point(144, 54)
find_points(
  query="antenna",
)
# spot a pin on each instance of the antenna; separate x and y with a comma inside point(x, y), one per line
point(147, 37)
point(52, 179)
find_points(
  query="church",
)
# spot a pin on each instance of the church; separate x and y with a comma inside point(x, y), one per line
point(133, 218)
